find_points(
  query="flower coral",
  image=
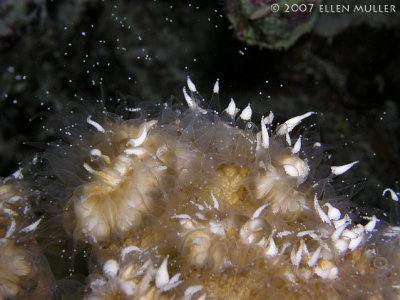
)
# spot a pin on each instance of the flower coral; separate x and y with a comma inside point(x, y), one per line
point(197, 204)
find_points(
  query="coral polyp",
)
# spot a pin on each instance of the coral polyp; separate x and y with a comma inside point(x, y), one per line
point(24, 272)
point(104, 208)
point(199, 204)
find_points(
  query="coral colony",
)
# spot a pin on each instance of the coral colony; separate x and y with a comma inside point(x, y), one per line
point(197, 204)
point(257, 23)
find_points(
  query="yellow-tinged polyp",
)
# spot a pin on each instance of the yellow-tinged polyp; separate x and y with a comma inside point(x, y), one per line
point(24, 272)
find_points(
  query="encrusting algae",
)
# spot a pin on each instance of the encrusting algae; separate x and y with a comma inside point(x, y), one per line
point(197, 204)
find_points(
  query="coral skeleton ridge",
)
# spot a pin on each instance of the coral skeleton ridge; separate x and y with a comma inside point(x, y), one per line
point(197, 204)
